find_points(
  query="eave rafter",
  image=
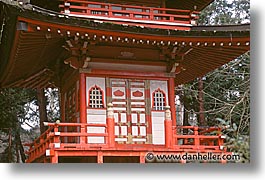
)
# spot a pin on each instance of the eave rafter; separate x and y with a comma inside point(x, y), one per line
point(99, 35)
point(178, 52)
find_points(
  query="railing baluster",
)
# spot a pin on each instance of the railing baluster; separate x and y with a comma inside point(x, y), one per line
point(196, 137)
point(83, 131)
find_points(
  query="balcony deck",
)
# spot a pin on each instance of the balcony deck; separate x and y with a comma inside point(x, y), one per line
point(163, 18)
point(56, 145)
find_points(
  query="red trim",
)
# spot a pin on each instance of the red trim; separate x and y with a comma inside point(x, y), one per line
point(102, 95)
point(93, 31)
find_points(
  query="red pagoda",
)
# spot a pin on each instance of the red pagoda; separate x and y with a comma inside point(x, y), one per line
point(116, 64)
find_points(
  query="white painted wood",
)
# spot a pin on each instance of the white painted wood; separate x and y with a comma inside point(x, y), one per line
point(117, 131)
point(121, 139)
point(138, 109)
point(138, 103)
point(119, 108)
point(135, 131)
point(134, 118)
point(100, 82)
point(96, 111)
point(123, 117)
point(158, 131)
point(96, 116)
point(119, 103)
point(139, 139)
point(142, 130)
point(128, 67)
point(124, 130)
point(137, 83)
point(116, 117)
point(142, 118)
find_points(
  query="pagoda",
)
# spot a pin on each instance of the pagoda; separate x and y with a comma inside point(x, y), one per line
point(116, 64)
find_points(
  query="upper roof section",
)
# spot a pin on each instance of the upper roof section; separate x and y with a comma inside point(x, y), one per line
point(37, 46)
point(162, 14)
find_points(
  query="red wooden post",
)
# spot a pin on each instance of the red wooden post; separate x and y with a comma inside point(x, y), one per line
point(168, 128)
point(142, 158)
point(82, 94)
point(83, 131)
point(171, 97)
point(100, 157)
point(110, 125)
point(221, 141)
point(56, 142)
point(83, 110)
point(54, 158)
point(196, 138)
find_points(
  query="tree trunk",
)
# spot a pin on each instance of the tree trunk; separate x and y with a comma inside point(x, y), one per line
point(185, 120)
point(42, 102)
point(19, 146)
point(201, 103)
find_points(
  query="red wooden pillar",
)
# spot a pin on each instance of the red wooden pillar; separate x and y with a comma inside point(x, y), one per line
point(82, 96)
point(142, 158)
point(54, 158)
point(83, 109)
point(168, 128)
point(110, 125)
point(171, 97)
point(100, 157)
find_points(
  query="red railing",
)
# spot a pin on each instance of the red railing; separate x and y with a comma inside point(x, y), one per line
point(75, 136)
point(57, 136)
point(198, 138)
point(129, 14)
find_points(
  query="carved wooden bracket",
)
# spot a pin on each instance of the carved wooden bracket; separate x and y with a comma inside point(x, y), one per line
point(79, 52)
point(178, 53)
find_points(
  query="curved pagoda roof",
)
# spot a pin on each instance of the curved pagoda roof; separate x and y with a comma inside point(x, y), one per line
point(33, 45)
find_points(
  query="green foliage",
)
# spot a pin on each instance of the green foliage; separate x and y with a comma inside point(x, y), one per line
point(222, 12)
point(227, 89)
point(12, 102)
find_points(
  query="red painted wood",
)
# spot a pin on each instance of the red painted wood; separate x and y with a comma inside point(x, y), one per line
point(82, 31)
point(111, 131)
point(54, 158)
point(150, 14)
point(168, 133)
point(82, 94)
